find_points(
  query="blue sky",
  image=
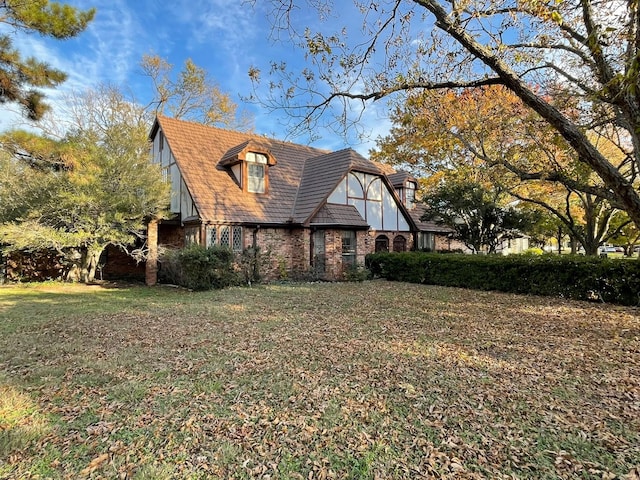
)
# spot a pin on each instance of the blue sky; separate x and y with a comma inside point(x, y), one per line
point(225, 37)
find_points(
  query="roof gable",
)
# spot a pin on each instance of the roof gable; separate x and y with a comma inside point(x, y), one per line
point(300, 181)
point(239, 152)
point(198, 150)
point(322, 174)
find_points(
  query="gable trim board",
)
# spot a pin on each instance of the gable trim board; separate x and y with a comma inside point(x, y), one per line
point(309, 189)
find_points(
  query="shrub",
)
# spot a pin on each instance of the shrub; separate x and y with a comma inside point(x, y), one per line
point(576, 277)
point(356, 273)
point(250, 263)
point(198, 268)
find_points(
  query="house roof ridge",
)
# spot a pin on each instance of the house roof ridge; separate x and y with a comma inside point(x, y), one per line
point(250, 135)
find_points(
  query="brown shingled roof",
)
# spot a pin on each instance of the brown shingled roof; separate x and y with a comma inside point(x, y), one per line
point(426, 225)
point(339, 215)
point(399, 178)
point(198, 150)
point(299, 183)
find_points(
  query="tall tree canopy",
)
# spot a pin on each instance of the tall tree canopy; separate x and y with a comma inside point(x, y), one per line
point(191, 95)
point(20, 77)
point(99, 187)
point(449, 130)
point(476, 213)
point(576, 49)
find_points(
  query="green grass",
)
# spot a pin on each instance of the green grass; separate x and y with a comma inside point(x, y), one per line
point(362, 381)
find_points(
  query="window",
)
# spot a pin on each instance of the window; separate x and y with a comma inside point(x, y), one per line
point(382, 243)
point(256, 172)
point(255, 178)
point(318, 256)
point(410, 194)
point(225, 236)
point(426, 241)
point(236, 239)
point(212, 239)
point(348, 247)
point(399, 244)
point(256, 158)
point(191, 236)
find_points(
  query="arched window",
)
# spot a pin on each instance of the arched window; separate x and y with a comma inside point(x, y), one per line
point(382, 243)
point(399, 244)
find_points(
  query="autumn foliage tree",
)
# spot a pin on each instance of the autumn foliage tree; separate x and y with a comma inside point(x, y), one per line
point(21, 78)
point(191, 95)
point(583, 51)
point(523, 155)
point(92, 188)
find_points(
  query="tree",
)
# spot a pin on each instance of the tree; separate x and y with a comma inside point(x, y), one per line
point(474, 213)
point(574, 49)
point(624, 233)
point(20, 78)
point(103, 196)
point(192, 95)
point(521, 154)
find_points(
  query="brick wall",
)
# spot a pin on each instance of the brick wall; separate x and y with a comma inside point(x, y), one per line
point(170, 235)
point(119, 265)
point(285, 252)
point(445, 243)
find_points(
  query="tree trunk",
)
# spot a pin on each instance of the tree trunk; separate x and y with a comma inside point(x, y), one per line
point(590, 248)
point(587, 153)
point(559, 238)
point(574, 245)
point(90, 259)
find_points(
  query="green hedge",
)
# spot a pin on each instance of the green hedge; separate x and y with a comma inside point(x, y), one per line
point(577, 277)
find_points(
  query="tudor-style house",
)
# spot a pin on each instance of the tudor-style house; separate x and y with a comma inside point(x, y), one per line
point(308, 210)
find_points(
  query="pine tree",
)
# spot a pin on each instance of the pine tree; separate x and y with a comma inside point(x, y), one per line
point(21, 77)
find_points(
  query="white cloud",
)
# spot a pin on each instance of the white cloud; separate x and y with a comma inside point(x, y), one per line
point(224, 37)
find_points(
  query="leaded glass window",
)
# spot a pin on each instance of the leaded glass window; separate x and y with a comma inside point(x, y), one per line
point(212, 238)
point(237, 239)
point(225, 236)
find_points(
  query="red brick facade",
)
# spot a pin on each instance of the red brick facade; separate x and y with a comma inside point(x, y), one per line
point(286, 253)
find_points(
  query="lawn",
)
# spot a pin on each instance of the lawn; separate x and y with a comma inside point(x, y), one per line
point(365, 380)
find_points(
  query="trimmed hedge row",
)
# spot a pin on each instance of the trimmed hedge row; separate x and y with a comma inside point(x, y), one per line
point(577, 277)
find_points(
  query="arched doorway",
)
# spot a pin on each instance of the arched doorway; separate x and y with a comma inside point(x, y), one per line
point(382, 243)
point(399, 244)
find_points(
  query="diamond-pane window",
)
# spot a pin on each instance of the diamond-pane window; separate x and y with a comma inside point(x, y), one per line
point(237, 239)
point(211, 236)
point(225, 235)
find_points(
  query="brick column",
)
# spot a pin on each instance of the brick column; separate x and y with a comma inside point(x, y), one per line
point(151, 267)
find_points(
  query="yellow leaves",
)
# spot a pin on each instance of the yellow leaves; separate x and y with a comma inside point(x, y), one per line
point(556, 17)
point(317, 43)
point(95, 464)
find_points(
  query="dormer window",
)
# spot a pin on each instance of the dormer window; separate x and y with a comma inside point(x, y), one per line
point(407, 193)
point(410, 194)
point(256, 170)
point(249, 163)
